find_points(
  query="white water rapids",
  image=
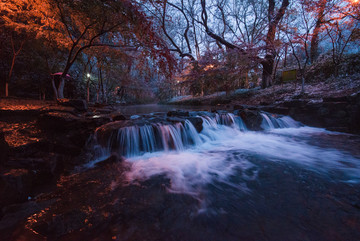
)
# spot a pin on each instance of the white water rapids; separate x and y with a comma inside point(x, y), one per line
point(225, 149)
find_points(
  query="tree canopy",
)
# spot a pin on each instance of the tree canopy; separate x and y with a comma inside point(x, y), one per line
point(146, 45)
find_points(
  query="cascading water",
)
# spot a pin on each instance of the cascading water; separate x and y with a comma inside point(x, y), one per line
point(191, 157)
point(136, 140)
point(271, 122)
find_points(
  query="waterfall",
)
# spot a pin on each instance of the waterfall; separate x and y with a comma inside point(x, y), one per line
point(273, 122)
point(226, 119)
point(135, 140)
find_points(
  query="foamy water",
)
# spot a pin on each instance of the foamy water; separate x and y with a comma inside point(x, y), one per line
point(227, 150)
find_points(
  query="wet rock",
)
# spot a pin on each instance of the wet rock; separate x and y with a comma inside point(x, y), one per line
point(220, 101)
point(16, 185)
point(197, 122)
point(295, 103)
point(118, 116)
point(98, 120)
point(61, 224)
point(58, 121)
point(18, 213)
point(4, 149)
point(276, 109)
point(59, 108)
point(175, 119)
point(79, 105)
point(114, 158)
point(104, 110)
point(252, 119)
point(105, 132)
point(178, 113)
point(238, 107)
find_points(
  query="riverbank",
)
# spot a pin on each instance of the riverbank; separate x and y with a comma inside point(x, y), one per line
point(332, 105)
point(276, 94)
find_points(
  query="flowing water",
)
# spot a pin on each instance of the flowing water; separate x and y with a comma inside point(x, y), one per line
point(287, 182)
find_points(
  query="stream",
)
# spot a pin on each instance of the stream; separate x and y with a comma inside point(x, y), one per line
point(286, 182)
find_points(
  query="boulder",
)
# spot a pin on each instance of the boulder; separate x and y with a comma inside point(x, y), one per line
point(276, 109)
point(197, 122)
point(178, 113)
point(114, 158)
point(252, 119)
point(58, 121)
point(238, 107)
point(117, 116)
point(105, 132)
point(4, 149)
point(175, 119)
point(79, 105)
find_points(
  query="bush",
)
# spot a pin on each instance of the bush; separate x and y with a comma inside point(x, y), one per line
point(324, 68)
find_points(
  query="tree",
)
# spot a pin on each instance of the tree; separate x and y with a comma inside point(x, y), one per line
point(81, 25)
point(273, 21)
point(340, 33)
point(272, 24)
point(299, 39)
point(18, 12)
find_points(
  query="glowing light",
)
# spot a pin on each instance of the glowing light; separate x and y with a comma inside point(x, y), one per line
point(210, 66)
point(88, 75)
point(355, 1)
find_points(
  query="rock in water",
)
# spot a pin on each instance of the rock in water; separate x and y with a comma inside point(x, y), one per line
point(178, 113)
point(117, 116)
point(114, 158)
point(197, 122)
point(252, 119)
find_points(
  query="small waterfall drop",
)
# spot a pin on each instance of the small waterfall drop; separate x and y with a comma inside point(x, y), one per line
point(136, 140)
point(273, 122)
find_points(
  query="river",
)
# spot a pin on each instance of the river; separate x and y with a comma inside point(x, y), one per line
point(287, 182)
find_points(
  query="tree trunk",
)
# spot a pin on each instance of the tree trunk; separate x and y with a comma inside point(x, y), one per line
point(268, 62)
point(246, 80)
point(6, 89)
point(15, 54)
point(60, 90)
point(268, 66)
point(54, 88)
point(10, 74)
point(315, 36)
point(88, 90)
point(302, 84)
